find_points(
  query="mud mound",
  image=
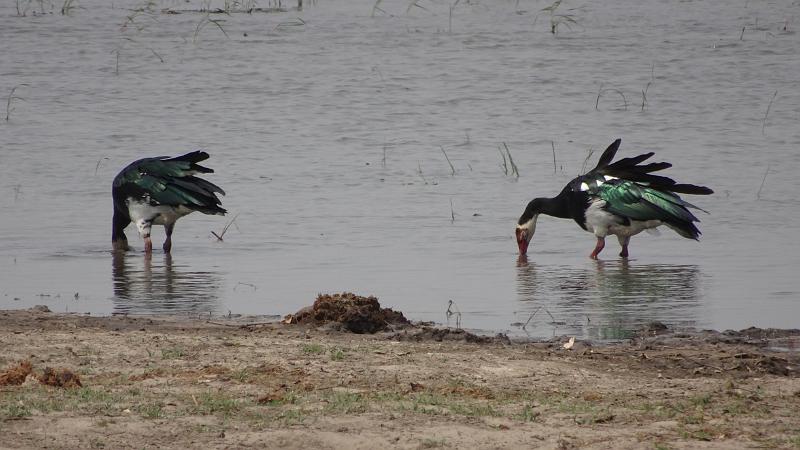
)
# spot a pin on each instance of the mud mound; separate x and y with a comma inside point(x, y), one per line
point(16, 375)
point(447, 334)
point(60, 378)
point(355, 313)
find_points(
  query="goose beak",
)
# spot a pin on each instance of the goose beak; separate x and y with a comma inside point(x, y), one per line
point(523, 239)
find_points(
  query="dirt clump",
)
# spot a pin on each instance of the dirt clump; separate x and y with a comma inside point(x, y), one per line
point(16, 375)
point(60, 378)
point(355, 313)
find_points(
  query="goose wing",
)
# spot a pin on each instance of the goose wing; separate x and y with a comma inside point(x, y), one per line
point(172, 182)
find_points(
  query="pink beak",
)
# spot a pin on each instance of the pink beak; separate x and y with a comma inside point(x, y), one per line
point(522, 241)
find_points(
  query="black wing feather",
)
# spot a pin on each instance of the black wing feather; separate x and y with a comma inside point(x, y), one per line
point(631, 170)
point(608, 155)
point(192, 158)
point(170, 181)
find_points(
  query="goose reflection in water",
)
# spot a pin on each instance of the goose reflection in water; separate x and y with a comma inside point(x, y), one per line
point(144, 287)
point(609, 299)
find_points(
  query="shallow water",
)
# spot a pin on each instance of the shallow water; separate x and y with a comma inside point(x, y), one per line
point(327, 136)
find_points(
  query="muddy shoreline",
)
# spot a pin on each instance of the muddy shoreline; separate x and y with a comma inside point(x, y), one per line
point(173, 382)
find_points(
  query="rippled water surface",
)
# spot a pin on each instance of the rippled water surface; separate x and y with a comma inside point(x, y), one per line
point(328, 129)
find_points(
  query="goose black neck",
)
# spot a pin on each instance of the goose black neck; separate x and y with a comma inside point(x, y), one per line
point(557, 207)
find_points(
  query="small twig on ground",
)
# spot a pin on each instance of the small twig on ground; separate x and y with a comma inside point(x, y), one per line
point(741, 36)
point(764, 120)
point(553, 144)
point(452, 212)
point(644, 94)
point(224, 230)
point(452, 169)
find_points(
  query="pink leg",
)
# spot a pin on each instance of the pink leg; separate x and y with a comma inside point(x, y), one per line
point(601, 242)
point(148, 244)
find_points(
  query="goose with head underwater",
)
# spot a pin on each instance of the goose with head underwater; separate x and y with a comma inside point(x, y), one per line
point(159, 191)
point(622, 198)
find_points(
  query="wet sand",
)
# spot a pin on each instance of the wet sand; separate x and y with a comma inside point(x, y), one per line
point(230, 383)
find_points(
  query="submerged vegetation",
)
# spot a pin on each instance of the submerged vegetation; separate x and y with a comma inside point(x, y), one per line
point(766, 113)
point(557, 19)
point(507, 161)
point(603, 90)
point(12, 97)
point(204, 22)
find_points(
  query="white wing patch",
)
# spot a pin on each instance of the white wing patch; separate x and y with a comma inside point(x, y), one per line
point(584, 186)
point(609, 177)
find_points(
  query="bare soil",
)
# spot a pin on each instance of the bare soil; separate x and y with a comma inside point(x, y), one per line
point(179, 383)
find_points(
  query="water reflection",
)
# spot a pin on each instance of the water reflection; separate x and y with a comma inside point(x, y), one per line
point(607, 300)
point(142, 286)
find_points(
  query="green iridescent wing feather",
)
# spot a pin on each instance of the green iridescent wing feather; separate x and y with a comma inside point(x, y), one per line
point(637, 202)
point(171, 181)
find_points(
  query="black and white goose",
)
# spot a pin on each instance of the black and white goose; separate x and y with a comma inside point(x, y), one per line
point(621, 198)
point(159, 191)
